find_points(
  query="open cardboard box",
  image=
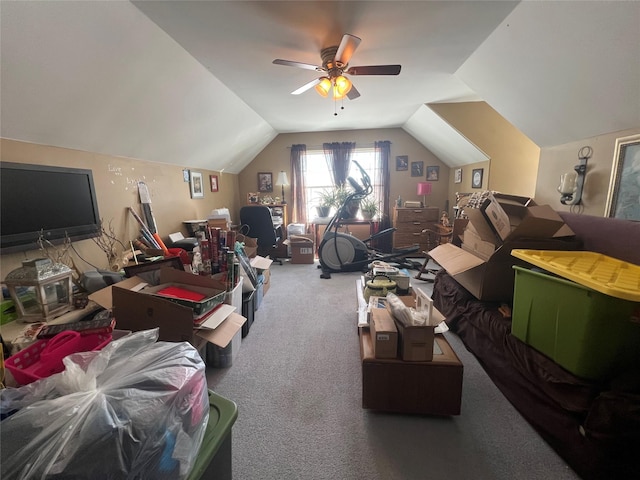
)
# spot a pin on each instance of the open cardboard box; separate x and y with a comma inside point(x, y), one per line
point(136, 311)
point(492, 278)
point(260, 264)
point(483, 264)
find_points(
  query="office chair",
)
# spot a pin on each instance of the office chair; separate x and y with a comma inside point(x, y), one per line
point(260, 226)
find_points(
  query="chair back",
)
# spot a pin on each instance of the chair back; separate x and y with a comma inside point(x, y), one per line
point(259, 224)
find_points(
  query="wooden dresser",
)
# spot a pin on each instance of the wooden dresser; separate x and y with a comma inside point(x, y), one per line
point(409, 223)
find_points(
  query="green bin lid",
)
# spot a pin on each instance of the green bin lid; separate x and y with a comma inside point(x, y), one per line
point(599, 272)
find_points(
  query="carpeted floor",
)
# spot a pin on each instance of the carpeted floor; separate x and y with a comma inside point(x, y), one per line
point(297, 382)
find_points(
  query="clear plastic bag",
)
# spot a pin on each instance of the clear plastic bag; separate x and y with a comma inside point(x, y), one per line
point(136, 409)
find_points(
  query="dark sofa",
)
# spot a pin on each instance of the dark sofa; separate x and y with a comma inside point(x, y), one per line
point(594, 426)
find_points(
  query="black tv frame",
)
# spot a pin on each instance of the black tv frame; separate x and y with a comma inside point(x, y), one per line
point(24, 241)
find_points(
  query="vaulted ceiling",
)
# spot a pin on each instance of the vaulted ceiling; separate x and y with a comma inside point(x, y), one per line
point(192, 82)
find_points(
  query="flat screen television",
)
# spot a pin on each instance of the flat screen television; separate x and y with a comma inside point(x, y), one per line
point(60, 202)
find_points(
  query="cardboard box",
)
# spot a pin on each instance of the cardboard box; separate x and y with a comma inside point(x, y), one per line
point(491, 279)
point(267, 281)
point(223, 357)
point(392, 385)
point(483, 263)
point(533, 221)
point(259, 265)
point(384, 334)
point(136, 311)
point(415, 342)
point(302, 248)
point(472, 242)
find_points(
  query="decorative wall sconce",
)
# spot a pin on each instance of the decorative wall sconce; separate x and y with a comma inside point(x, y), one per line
point(572, 183)
point(41, 289)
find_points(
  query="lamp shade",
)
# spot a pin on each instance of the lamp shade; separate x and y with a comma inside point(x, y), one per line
point(282, 179)
point(324, 86)
point(424, 188)
point(341, 86)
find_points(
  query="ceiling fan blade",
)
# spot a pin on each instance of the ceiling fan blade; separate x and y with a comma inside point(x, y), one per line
point(375, 70)
point(347, 46)
point(353, 93)
point(306, 66)
point(306, 86)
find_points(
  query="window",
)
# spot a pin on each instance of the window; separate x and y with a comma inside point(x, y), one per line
point(318, 178)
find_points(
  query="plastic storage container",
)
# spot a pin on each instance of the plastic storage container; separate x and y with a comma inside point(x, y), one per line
point(44, 357)
point(589, 333)
point(248, 311)
point(214, 457)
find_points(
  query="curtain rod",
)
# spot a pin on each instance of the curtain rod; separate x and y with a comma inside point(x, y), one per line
point(358, 145)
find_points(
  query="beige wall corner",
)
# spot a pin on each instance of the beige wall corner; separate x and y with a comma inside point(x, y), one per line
point(508, 148)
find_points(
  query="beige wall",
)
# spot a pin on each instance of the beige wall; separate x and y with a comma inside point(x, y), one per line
point(557, 160)
point(509, 149)
point(116, 180)
point(467, 174)
point(276, 157)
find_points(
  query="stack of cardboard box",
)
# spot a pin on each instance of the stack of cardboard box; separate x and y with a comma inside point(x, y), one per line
point(483, 264)
point(408, 369)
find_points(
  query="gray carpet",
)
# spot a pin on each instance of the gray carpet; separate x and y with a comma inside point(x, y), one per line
point(297, 382)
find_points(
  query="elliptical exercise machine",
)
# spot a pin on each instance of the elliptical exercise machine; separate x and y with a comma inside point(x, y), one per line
point(342, 252)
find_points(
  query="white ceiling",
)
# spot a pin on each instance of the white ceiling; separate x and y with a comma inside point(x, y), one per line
point(192, 83)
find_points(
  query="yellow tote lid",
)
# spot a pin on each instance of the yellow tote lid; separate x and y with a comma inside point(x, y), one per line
point(604, 274)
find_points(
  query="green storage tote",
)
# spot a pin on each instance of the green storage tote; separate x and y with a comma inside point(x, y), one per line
point(589, 333)
point(214, 458)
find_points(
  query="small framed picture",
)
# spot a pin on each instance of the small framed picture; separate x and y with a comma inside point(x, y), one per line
point(402, 163)
point(265, 182)
point(185, 175)
point(417, 169)
point(457, 175)
point(196, 185)
point(213, 179)
point(253, 197)
point(433, 173)
point(476, 179)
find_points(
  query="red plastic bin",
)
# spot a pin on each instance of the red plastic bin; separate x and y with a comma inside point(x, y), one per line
point(44, 357)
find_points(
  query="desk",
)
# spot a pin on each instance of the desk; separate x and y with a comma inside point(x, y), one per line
point(361, 229)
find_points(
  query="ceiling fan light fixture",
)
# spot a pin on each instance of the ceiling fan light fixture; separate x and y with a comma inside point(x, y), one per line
point(324, 86)
point(341, 86)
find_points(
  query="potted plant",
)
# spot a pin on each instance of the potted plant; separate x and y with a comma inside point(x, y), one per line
point(342, 192)
point(326, 200)
point(368, 208)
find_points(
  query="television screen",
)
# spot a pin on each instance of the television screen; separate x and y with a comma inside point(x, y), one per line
point(57, 201)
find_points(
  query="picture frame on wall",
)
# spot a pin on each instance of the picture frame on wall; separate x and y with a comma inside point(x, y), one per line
point(457, 175)
point(433, 173)
point(417, 169)
point(265, 182)
point(623, 198)
point(196, 185)
point(402, 163)
point(213, 179)
point(476, 178)
point(253, 197)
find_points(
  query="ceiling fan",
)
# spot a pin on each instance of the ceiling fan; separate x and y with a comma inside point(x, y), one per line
point(335, 63)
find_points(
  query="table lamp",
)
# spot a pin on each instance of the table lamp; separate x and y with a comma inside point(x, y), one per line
point(424, 189)
point(283, 181)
